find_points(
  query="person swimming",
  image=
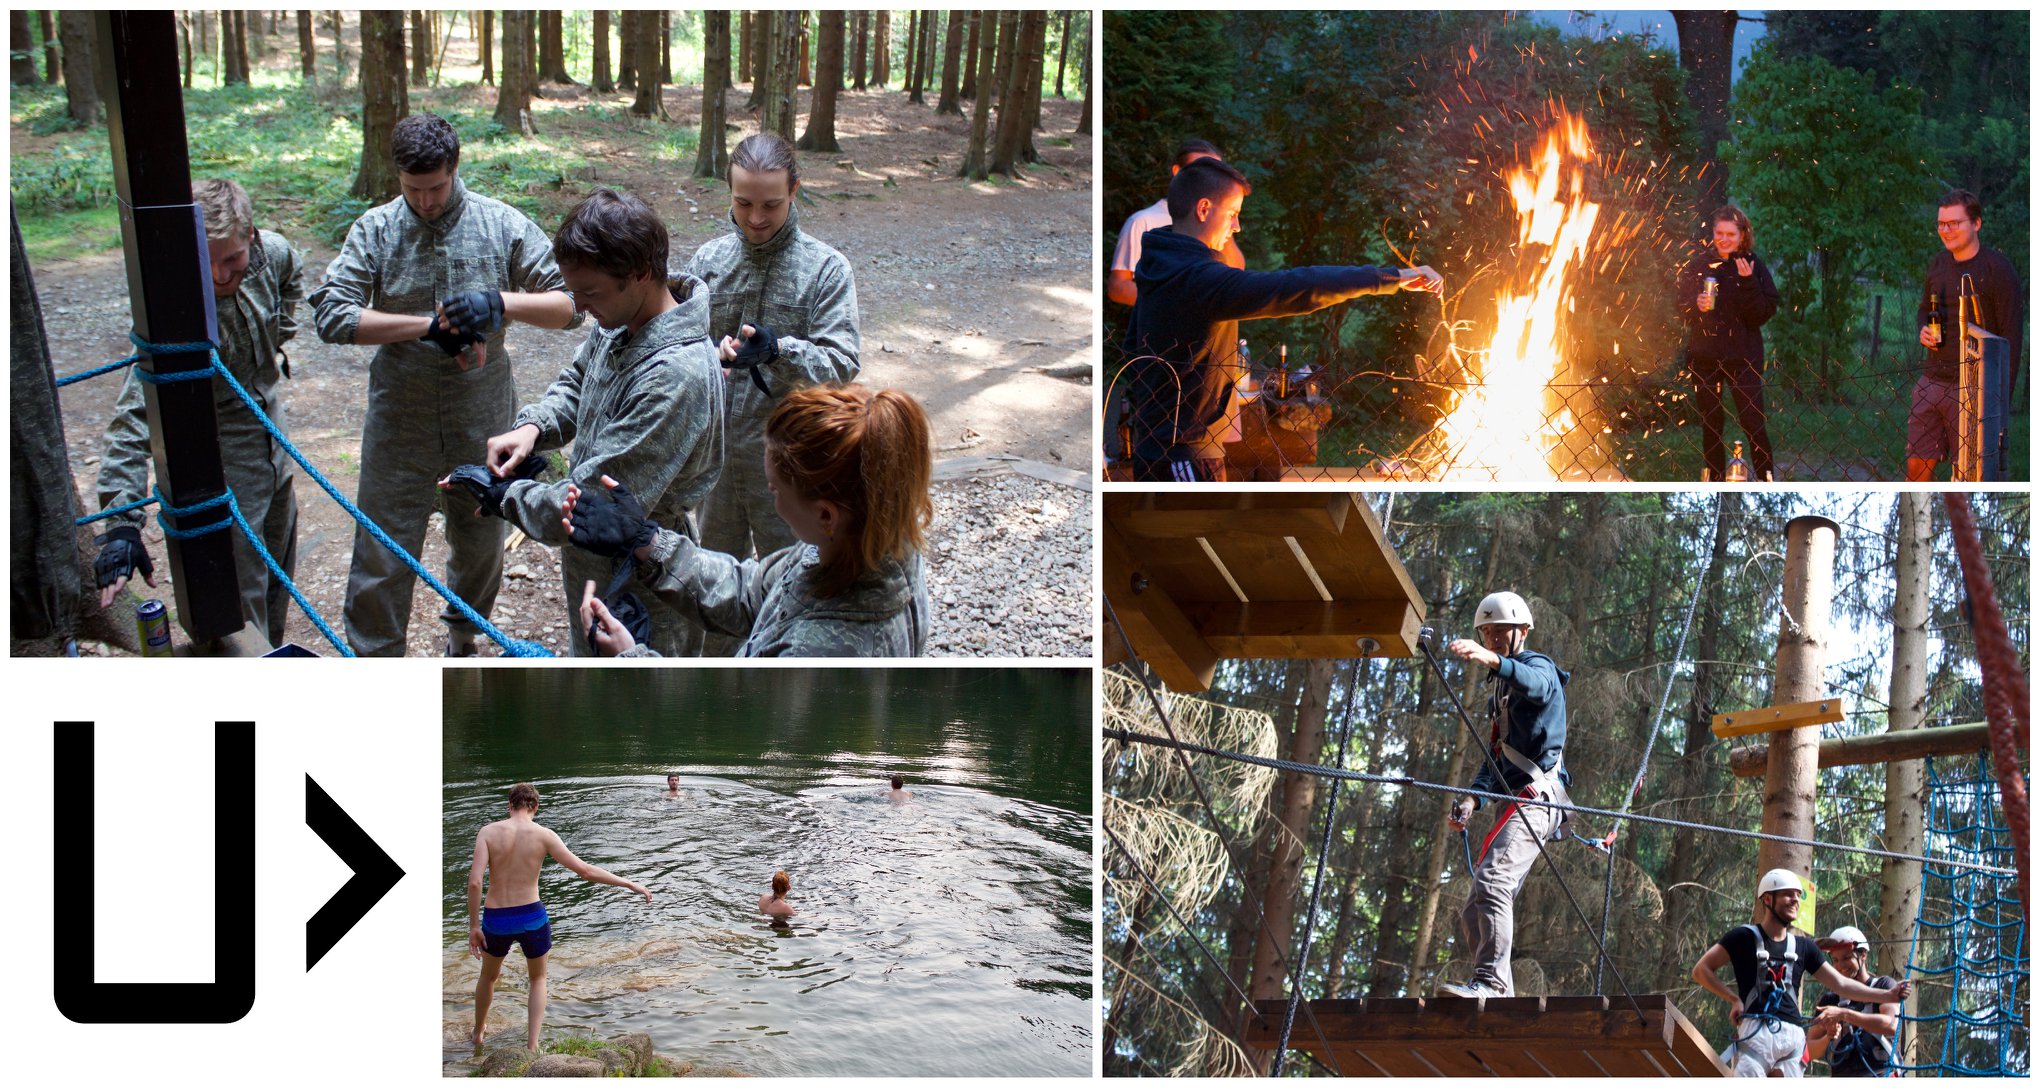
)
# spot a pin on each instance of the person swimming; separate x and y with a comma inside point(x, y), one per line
point(672, 785)
point(899, 792)
point(775, 904)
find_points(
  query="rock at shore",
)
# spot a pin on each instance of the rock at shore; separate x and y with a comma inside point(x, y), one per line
point(565, 1065)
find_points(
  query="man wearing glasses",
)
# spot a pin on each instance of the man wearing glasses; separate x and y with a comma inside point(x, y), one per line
point(1854, 1036)
point(1932, 427)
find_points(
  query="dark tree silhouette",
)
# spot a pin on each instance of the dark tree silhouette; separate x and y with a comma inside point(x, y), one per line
point(821, 126)
point(384, 102)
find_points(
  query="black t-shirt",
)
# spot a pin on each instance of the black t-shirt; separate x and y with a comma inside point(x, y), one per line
point(1855, 1052)
point(1741, 945)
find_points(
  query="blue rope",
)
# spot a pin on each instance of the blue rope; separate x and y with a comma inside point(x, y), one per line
point(98, 370)
point(514, 647)
point(113, 511)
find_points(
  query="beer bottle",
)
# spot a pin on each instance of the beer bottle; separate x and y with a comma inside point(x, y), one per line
point(1738, 472)
point(1934, 315)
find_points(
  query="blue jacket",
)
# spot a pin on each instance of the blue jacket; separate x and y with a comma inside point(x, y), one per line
point(1183, 339)
point(1536, 690)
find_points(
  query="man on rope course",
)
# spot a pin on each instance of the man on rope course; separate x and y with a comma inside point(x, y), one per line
point(432, 278)
point(641, 401)
point(257, 282)
point(1854, 1036)
point(1526, 736)
point(1769, 961)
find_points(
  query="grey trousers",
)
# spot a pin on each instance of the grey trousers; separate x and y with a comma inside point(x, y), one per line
point(738, 519)
point(424, 419)
point(1488, 923)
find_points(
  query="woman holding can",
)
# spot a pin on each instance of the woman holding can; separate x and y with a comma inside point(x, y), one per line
point(1725, 295)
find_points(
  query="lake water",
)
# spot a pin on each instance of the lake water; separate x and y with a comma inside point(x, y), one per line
point(949, 934)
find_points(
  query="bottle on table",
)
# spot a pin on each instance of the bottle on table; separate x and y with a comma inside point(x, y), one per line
point(1738, 472)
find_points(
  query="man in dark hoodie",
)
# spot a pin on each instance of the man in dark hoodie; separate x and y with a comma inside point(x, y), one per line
point(1526, 737)
point(1183, 339)
point(1932, 426)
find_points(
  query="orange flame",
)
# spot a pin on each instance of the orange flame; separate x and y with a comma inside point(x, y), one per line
point(1499, 428)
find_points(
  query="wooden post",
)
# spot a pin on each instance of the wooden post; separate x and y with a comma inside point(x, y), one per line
point(170, 291)
point(1905, 785)
point(1790, 779)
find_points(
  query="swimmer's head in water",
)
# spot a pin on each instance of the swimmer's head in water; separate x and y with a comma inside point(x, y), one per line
point(781, 884)
point(898, 782)
point(524, 797)
point(672, 781)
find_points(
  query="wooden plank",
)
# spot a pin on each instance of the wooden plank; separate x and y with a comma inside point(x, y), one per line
point(1692, 1050)
point(1509, 1060)
point(1155, 627)
point(1623, 1063)
point(1945, 740)
point(1566, 1061)
point(1309, 629)
point(1395, 1061)
point(1163, 522)
point(1452, 1060)
point(1771, 719)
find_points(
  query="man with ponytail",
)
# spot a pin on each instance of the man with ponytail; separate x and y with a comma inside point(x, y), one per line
point(783, 308)
point(642, 400)
point(848, 471)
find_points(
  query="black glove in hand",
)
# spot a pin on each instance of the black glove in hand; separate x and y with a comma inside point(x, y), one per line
point(474, 311)
point(613, 525)
point(452, 343)
point(490, 489)
point(760, 349)
point(120, 555)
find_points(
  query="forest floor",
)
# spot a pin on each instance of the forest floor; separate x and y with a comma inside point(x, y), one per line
point(966, 290)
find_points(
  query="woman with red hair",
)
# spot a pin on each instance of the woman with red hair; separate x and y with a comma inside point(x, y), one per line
point(848, 470)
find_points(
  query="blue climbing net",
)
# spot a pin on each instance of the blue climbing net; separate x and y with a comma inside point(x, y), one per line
point(1968, 956)
point(512, 647)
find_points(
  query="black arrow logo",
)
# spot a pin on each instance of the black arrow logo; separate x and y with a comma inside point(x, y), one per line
point(374, 873)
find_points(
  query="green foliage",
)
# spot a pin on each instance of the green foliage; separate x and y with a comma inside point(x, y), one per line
point(1833, 173)
point(1168, 72)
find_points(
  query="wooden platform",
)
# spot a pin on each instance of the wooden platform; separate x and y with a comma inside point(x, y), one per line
point(1199, 576)
point(1496, 1037)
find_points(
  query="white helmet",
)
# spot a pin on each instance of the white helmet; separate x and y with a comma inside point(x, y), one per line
point(1844, 935)
point(1502, 607)
point(1778, 880)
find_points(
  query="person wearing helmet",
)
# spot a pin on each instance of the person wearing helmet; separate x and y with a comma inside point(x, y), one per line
point(1854, 1036)
point(1526, 737)
point(1769, 961)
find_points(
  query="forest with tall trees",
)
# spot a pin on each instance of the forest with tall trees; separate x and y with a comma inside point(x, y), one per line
point(1201, 899)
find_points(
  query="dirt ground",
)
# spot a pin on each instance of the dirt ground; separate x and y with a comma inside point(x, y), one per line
point(966, 290)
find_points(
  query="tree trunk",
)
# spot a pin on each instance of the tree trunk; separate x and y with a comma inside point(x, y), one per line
point(806, 62)
point(339, 25)
point(650, 101)
point(420, 47)
point(1299, 793)
point(859, 41)
point(81, 94)
point(744, 31)
point(821, 126)
point(881, 50)
point(712, 157)
point(487, 38)
point(531, 50)
point(600, 78)
point(1707, 53)
point(552, 49)
point(970, 57)
point(1244, 925)
point(1798, 676)
point(1905, 788)
point(665, 48)
point(626, 50)
point(785, 66)
point(184, 39)
point(228, 69)
point(1062, 56)
point(913, 59)
point(1014, 140)
point(1037, 58)
point(976, 162)
point(308, 54)
point(517, 82)
point(46, 21)
point(21, 47)
point(763, 25)
point(383, 103)
point(952, 49)
point(1084, 116)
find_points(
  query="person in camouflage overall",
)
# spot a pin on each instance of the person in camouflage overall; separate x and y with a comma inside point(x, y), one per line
point(784, 307)
point(642, 400)
point(432, 278)
point(848, 470)
point(258, 282)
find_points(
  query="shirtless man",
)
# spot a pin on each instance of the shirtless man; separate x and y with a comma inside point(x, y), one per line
point(512, 851)
point(672, 785)
point(898, 792)
point(775, 904)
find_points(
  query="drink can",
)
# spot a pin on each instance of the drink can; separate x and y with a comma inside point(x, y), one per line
point(152, 622)
point(1713, 289)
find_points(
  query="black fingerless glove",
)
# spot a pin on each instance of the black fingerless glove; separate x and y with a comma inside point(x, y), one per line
point(613, 525)
point(474, 311)
point(120, 555)
point(752, 354)
point(490, 489)
point(452, 343)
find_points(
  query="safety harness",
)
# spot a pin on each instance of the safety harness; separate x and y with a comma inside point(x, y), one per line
point(1774, 991)
point(1873, 1050)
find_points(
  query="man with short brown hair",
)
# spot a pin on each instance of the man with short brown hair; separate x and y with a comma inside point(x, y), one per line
point(511, 852)
point(1934, 424)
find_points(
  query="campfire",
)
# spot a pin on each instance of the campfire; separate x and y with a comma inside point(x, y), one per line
point(1506, 424)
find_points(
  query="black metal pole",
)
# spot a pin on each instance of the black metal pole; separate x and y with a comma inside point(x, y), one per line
point(170, 290)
